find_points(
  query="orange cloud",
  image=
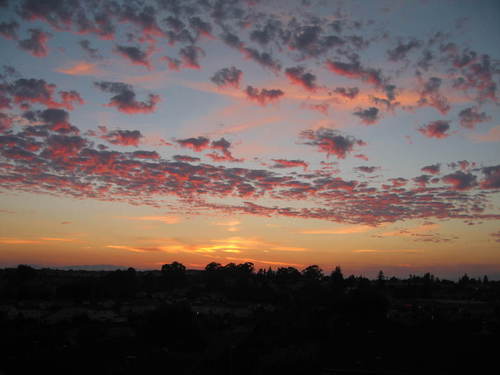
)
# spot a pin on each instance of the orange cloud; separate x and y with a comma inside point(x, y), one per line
point(58, 239)
point(289, 248)
point(134, 249)
point(212, 247)
point(16, 241)
point(231, 225)
point(492, 135)
point(242, 126)
point(163, 219)
point(347, 230)
point(376, 251)
point(80, 68)
point(256, 244)
point(228, 223)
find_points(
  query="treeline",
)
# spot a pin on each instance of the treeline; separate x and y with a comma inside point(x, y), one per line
point(235, 281)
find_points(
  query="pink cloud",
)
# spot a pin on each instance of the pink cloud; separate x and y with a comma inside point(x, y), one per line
point(263, 96)
point(331, 141)
point(436, 129)
point(36, 44)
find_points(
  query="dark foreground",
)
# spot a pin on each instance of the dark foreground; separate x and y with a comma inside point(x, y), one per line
point(233, 320)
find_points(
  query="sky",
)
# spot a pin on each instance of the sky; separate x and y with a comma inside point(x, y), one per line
point(364, 134)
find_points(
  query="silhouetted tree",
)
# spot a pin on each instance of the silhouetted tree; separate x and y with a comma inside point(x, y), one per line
point(464, 280)
point(312, 273)
point(230, 268)
point(213, 267)
point(174, 267)
point(287, 275)
point(336, 277)
point(381, 279)
point(174, 274)
point(25, 272)
point(245, 268)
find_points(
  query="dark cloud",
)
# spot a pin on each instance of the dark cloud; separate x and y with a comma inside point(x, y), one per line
point(70, 97)
point(196, 144)
point(390, 92)
point(190, 56)
point(347, 92)
point(331, 141)
point(425, 60)
point(63, 146)
point(134, 54)
point(464, 165)
point(9, 72)
point(143, 17)
point(227, 77)
point(263, 96)
point(479, 76)
point(125, 98)
point(470, 117)
point(9, 29)
point(57, 120)
point(266, 34)
point(402, 49)
point(92, 53)
point(172, 63)
point(185, 158)
point(436, 129)
point(491, 177)
point(222, 146)
point(57, 13)
point(422, 180)
point(309, 41)
point(432, 169)
point(368, 116)
point(286, 163)
point(354, 70)
point(465, 58)
point(398, 182)
point(119, 137)
point(232, 40)
point(366, 169)
point(431, 96)
point(5, 122)
point(24, 91)
point(264, 59)
point(200, 27)
point(299, 76)
point(31, 90)
point(177, 31)
point(460, 180)
point(36, 44)
point(145, 155)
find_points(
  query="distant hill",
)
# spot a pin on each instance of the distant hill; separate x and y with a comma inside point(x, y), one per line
point(92, 267)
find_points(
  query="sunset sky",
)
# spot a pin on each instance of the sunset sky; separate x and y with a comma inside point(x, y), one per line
point(364, 134)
